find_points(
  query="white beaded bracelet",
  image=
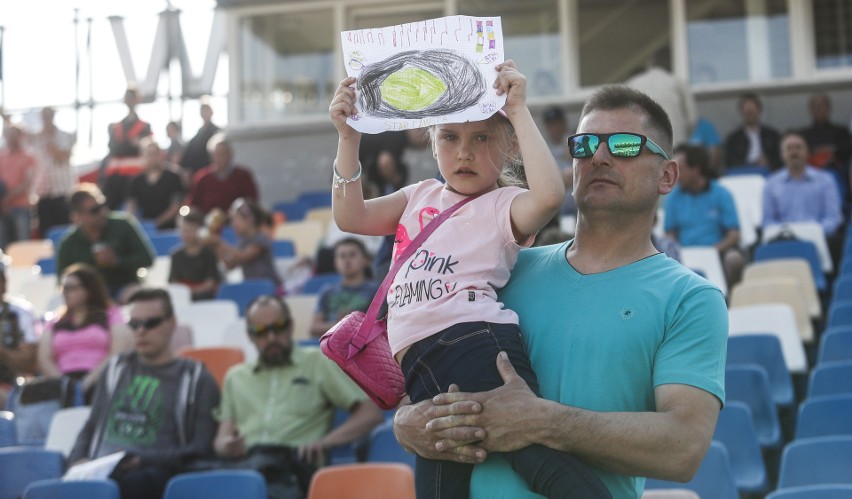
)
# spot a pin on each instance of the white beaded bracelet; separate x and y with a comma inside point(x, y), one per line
point(340, 181)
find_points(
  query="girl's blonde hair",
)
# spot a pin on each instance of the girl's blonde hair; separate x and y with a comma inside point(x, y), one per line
point(503, 135)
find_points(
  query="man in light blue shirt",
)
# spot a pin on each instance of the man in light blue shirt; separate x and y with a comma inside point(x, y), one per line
point(800, 192)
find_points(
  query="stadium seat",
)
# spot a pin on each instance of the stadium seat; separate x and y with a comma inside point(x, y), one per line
point(794, 249)
point(28, 253)
point(835, 346)
point(47, 266)
point(775, 290)
point(293, 210)
point(7, 429)
point(317, 283)
point(789, 267)
point(813, 492)
point(72, 489)
point(816, 461)
point(243, 293)
point(57, 233)
point(825, 416)
point(749, 383)
point(22, 466)
point(217, 360)
point(705, 259)
point(321, 215)
point(804, 231)
point(236, 336)
point(832, 378)
point(316, 199)
point(363, 481)
point(219, 484)
point(64, 428)
point(713, 480)
point(775, 319)
point(181, 296)
point(302, 309)
point(163, 244)
point(765, 350)
point(282, 248)
point(385, 449)
point(208, 320)
point(305, 234)
point(735, 429)
point(749, 206)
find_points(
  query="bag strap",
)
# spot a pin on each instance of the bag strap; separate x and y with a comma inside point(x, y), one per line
point(363, 337)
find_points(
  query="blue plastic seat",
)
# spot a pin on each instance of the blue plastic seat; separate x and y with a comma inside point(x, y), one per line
point(735, 429)
point(7, 429)
point(219, 484)
point(764, 350)
point(318, 282)
point(749, 383)
point(385, 449)
point(73, 489)
point(56, 233)
point(835, 346)
point(21, 466)
point(316, 199)
point(282, 248)
point(832, 378)
point(813, 492)
point(794, 249)
point(816, 461)
point(842, 289)
point(242, 293)
point(292, 210)
point(825, 416)
point(47, 265)
point(714, 478)
point(163, 244)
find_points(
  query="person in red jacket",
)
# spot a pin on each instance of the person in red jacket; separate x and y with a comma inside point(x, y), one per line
point(222, 182)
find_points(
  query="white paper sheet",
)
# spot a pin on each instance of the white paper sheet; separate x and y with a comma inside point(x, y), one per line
point(419, 74)
point(96, 469)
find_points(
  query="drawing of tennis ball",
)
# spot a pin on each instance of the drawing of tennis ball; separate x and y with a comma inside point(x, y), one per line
point(412, 89)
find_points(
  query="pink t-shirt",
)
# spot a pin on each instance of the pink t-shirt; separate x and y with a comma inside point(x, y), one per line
point(453, 276)
point(83, 349)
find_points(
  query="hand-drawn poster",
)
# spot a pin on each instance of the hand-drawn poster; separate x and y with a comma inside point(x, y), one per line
point(419, 74)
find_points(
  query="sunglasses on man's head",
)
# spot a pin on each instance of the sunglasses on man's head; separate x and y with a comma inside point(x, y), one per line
point(277, 328)
point(620, 144)
point(145, 324)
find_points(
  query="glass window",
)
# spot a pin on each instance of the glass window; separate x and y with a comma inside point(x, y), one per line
point(833, 33)
point(531, 32)
point(379, 18)
point(611, 47)
point(286, 65)
point(737, 40)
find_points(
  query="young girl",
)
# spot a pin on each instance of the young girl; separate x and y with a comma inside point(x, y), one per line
point(254, 252)
point(445, 324)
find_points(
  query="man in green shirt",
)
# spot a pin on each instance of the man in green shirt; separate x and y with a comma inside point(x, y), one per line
point(114, 243)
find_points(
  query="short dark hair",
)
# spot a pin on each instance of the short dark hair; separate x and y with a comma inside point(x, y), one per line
point(553, 113)
point(750, 96)
point(614, 97)
point(355, 242)
point(84, 191)
point(269, 300)
point(154, 294)
point(193, 215)
point(697, 156)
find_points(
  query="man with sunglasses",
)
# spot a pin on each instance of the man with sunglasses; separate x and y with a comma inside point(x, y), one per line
point(155, 406)
point(282, 405)
point(628, 345)
point(114, 243)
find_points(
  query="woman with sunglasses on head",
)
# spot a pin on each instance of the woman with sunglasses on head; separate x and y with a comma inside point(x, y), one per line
point(445, 323)
point(253, 252)
point(83, 332)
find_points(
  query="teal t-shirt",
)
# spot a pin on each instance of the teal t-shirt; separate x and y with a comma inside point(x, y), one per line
point(701, 219)
point(604, 341)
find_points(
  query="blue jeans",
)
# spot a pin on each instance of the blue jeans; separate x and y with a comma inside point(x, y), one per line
point(466, 354)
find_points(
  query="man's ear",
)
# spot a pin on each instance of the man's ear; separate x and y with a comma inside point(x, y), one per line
point(668, 180)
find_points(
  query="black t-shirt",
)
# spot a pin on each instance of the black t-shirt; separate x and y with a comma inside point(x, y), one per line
point(153, 199)
point(193, 270)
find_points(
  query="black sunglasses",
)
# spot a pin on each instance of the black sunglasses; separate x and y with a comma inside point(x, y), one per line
point(277, 328)
point(149, 323)
point(620, 144)
point(94, 210)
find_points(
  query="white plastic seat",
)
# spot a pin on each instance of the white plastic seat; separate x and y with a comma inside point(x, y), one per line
point(64, 428)
point(39, 290)
point(776, 290)
point(181, 296)
point(774, 318)
point(208, 320)
point(236, 336)
point(302, 308)
point(806, 231)
point(796, 268)
point(747, 191)
point(157, 275)
point(305, 234)
point(705, 259)
point(28, 253)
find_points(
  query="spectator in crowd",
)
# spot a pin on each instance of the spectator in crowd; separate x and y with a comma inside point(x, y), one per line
point(670, 92)
point(556, 128)
point(655, 415)
point(124, 140)
point(355, 291)
point(18, 337)
point(385, 173)
point(830, 144)
point(253, 254)
point(114, 243)
point(300, 387)
point(222, 182)
point(802, 193)
point(17, 172)
point(155, 194)
point(195, 264)
point(753, 143)
point(700, 212)
point(705, 135)
point(174, 152)
point(195, 155)
point(55, 179)
point(150, 404)
point(83, 332)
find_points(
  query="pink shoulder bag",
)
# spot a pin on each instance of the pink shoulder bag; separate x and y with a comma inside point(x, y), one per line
point(359, 342)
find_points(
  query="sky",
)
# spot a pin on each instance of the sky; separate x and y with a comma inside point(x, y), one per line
point(40, 64)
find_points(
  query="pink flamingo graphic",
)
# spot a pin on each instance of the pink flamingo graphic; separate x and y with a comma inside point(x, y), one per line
point(402, 240)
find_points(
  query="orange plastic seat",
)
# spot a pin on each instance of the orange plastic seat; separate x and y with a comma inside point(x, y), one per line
point(217, 359)
point(363, 481)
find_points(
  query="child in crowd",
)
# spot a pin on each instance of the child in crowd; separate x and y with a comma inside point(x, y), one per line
point(445, 324)
point(253, 254)
point(195, 264)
